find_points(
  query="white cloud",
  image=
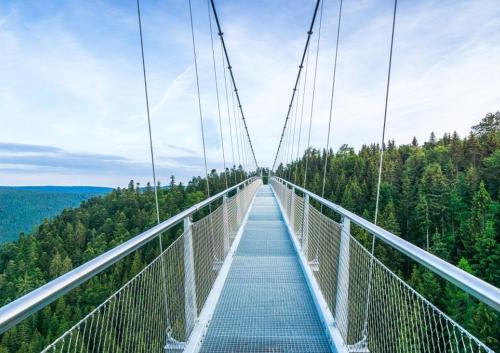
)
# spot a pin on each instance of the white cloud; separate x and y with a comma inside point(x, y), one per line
point(72, 76)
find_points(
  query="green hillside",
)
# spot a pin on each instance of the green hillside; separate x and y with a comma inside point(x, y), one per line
point(23, 208)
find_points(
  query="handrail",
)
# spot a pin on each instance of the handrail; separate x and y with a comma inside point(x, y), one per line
point(21, 308)
point(476, 287)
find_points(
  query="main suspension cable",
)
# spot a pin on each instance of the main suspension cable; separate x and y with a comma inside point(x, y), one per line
point(331, 103)
point(308, 152)
point(217, 92)
point(230, 68)
point(309, 33)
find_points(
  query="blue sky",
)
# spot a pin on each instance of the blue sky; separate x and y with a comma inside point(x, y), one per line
point(72, 101)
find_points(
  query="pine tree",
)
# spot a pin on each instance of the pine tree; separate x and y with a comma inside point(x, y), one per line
point(459, 304)
point(487, 255)
point(486, 324)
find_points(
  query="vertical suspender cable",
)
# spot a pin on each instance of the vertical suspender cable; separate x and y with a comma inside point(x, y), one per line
point(287, 146)
point(282, 159)
point(288, 160)
point(238, 144)
point(294, 131)
point(149, 118)
point(382, 147)
point(331, 103)
point(313, 94)
point(244, 146)
point(301, 117)
point(201, 121)
point(155, 188)
point(291, 141)
point(228, 114)
point(217, 92)
point(199, 96)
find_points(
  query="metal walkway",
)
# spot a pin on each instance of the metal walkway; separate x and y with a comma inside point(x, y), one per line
point(265, 304)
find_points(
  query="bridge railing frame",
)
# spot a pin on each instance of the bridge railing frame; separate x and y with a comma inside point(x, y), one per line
point(474, 286)
point(363, 304)
point(27, 305)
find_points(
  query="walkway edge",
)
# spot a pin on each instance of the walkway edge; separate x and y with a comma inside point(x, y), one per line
point(326, 317)
point(195, 340)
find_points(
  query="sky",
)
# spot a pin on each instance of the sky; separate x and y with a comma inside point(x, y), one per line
point(72, 104)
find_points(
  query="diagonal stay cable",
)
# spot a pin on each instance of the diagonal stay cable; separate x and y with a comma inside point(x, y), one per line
point(230, 68)
point(294, 92)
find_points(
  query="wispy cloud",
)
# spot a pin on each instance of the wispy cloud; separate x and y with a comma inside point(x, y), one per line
point(25, 159)
point(72, 80)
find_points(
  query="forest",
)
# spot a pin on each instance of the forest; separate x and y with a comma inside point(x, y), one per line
point(441, 195)
point(24, 207)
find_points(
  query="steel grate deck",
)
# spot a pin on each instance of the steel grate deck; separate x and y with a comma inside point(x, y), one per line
point(265, 304)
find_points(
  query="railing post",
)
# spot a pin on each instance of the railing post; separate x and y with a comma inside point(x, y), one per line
point(305, 227)
point(342, 296)
point(225, 222)
point(292, 210)
point(190, 306)
point(238, 207)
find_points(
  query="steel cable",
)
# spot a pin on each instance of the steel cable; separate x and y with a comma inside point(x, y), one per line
point(199, 96)
point(381, 161)
point(155, 187)
point(309, 33)
point(313, 95)
point(217, 92)
point(228, 113)
point(301, 117)
point(331, 102)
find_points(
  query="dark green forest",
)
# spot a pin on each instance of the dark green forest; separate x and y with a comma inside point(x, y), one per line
point(80, 234)
point(23, 208)
point(441, 195)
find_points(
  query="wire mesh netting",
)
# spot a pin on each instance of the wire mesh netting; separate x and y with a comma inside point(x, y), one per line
point(265, 304)
point(156, 310)
point(377, 313)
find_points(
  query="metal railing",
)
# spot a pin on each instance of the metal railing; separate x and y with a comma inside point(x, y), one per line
point(158, 306)
point(371, 307)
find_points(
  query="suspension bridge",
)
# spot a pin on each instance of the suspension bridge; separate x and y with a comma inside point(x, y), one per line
point(263, 268)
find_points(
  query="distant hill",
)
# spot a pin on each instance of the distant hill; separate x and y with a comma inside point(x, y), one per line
point(24, 207)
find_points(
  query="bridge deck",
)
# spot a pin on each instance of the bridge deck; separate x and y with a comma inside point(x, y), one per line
point(265, 304)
